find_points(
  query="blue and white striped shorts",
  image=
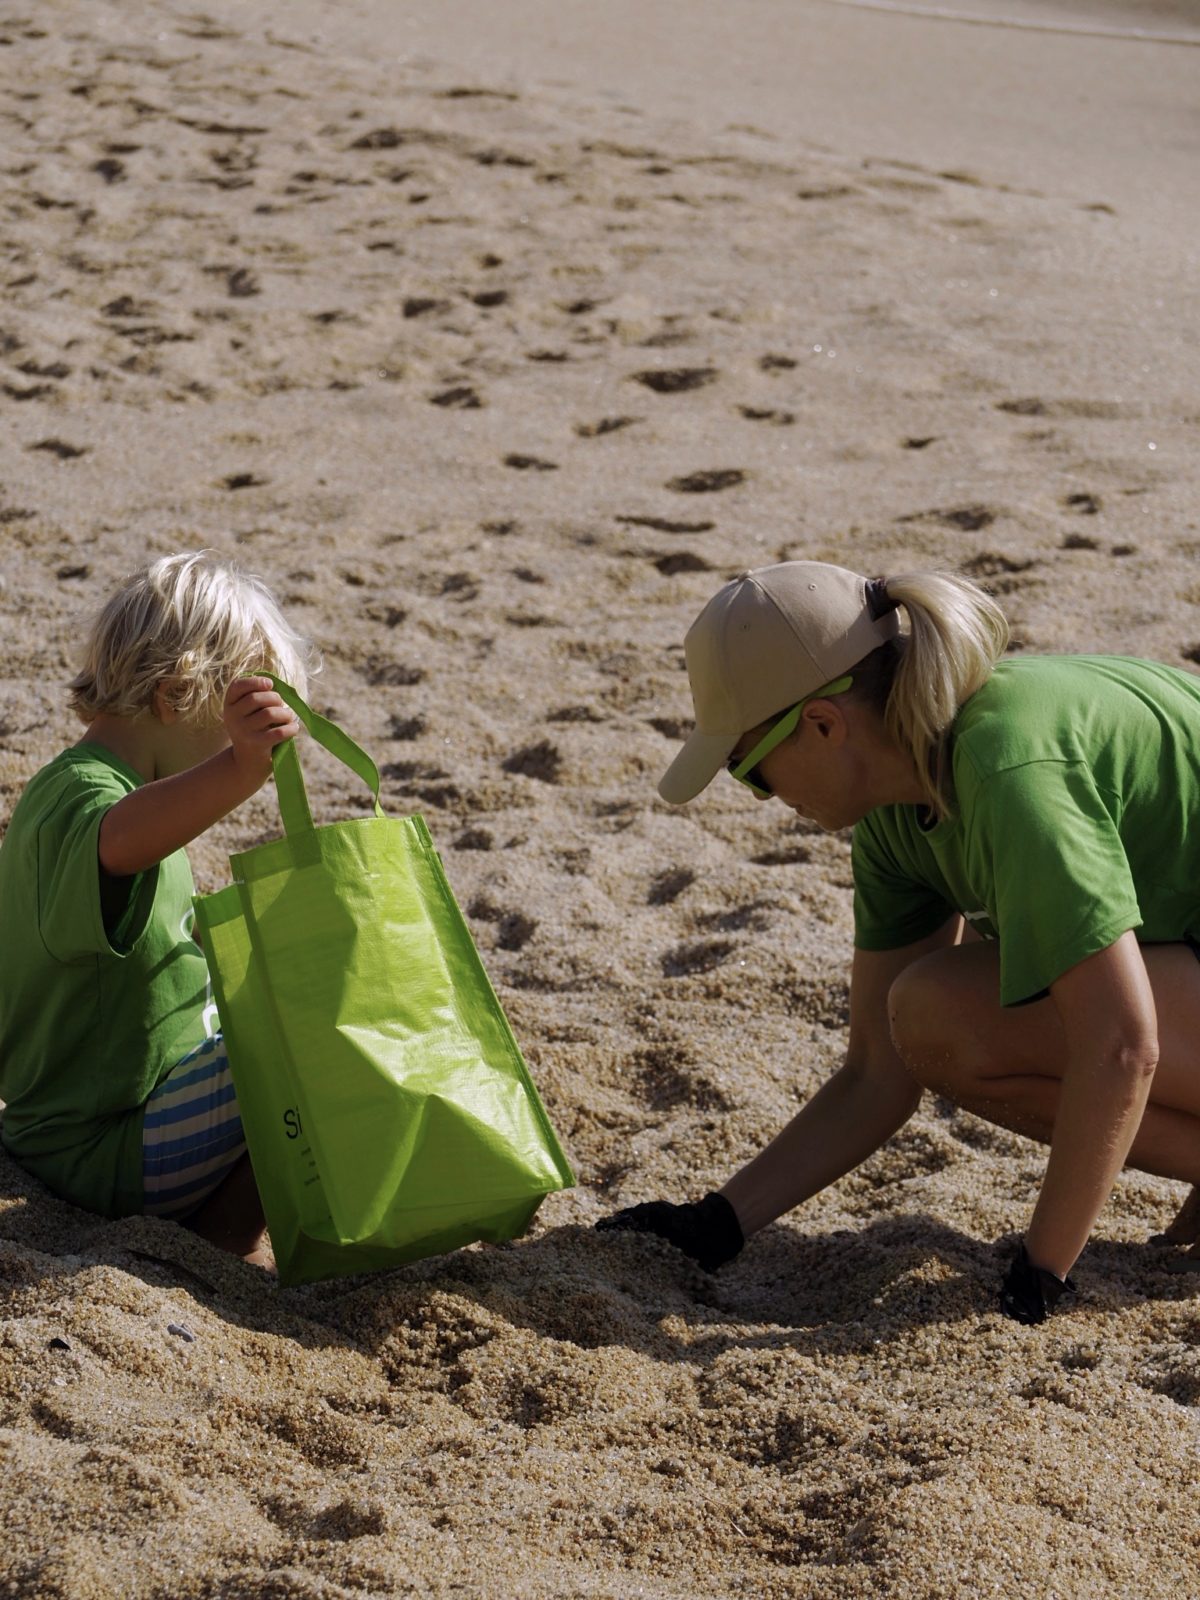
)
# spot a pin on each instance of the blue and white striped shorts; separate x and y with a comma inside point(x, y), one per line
point(191, 1133)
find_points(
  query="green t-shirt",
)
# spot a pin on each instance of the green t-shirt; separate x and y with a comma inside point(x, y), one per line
point(92, 1016)
point(1077, 784)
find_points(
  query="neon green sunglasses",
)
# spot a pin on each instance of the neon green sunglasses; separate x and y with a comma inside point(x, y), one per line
point(745, 769)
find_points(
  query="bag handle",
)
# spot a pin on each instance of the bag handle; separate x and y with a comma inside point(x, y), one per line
point(285, 761)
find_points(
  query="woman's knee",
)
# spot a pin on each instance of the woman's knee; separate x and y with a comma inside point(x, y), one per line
point(930, 1024)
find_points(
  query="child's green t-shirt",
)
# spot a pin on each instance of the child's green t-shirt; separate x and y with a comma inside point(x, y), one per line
point(1077, 783)
point(91, 1017)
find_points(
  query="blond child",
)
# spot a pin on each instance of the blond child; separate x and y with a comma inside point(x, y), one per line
point(117, 1089)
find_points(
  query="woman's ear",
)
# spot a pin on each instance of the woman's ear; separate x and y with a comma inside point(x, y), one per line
point(827, 719)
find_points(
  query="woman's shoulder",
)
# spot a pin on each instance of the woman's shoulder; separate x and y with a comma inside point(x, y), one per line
point(1069, 708)
point(1030, 676)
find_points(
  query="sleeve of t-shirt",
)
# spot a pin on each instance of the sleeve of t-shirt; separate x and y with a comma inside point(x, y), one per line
point(1045, 840)
point(70, 914)
point(893, 905)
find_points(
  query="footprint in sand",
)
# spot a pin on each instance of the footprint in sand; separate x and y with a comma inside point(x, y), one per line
point(379, 139)
point(677, 380)
point(666, 524)
point(991, 564)
point(669, 884)
point(1086, 504)
point(389, 615)
point(126, 306)
point(474, 839)
point(541, 761)
point(594, 430)
point(530, 463)
point(51, 369)
point(576, 714)
point(241, 283)
point(833, 191)
point(707, 482)
point(461, 585)
point(680, 561)
point(392, 674)
point(513, 928)
point(31, 391)
point(696, 956)
point(1030, 406)
point(669, 727)
point(969, 518)
point(410, 771)
point(459, 398)
point(780, 419)
point(501, 158)
point(61, 449)
point(790, 855)
point(665, 1076)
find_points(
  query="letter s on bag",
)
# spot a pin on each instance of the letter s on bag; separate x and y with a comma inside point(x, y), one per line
point(291, 1123)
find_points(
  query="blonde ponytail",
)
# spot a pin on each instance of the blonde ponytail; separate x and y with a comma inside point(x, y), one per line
point(955, 636)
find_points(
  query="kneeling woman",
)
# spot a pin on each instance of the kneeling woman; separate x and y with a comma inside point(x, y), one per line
point(1026, 863)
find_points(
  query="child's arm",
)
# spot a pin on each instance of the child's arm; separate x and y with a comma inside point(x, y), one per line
point(150, 823)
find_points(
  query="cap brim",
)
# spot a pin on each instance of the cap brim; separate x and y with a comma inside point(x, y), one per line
point(696, 765)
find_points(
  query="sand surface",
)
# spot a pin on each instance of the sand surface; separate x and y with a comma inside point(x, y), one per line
point(496, 379)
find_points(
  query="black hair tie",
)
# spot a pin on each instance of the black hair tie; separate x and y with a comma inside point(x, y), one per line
point(879, 601)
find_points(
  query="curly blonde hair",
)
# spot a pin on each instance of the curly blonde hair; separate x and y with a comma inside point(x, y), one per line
point(189, 624)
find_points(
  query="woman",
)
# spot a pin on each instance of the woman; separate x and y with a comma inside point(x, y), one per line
point(1026, 863)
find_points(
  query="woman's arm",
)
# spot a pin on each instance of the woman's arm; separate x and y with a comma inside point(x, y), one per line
point(869, 1097)
point(1111, 1028)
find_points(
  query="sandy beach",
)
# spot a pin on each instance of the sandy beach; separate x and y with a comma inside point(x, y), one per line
point(496, 338)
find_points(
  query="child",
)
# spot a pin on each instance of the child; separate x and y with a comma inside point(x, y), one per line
point(117, 1089)
point(1026, 864)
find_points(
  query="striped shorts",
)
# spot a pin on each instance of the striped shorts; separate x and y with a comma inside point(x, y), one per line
point(191, 1133)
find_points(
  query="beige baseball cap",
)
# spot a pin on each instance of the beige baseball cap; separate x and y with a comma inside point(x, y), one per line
point(764, 641)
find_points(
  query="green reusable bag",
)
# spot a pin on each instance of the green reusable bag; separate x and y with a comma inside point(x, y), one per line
point(387, 1107)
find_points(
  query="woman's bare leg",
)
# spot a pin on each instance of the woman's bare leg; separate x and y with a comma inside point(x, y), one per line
point(232, 1217)
point(1005, 1063)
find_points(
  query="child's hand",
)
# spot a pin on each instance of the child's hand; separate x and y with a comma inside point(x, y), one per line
point(256, 720)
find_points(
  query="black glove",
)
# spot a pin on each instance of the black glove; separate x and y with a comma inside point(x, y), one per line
point(707, 1230)
point(1029, 1294)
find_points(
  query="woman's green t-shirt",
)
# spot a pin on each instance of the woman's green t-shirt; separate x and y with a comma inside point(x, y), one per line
point(92, 1016)
point(1077, 818)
